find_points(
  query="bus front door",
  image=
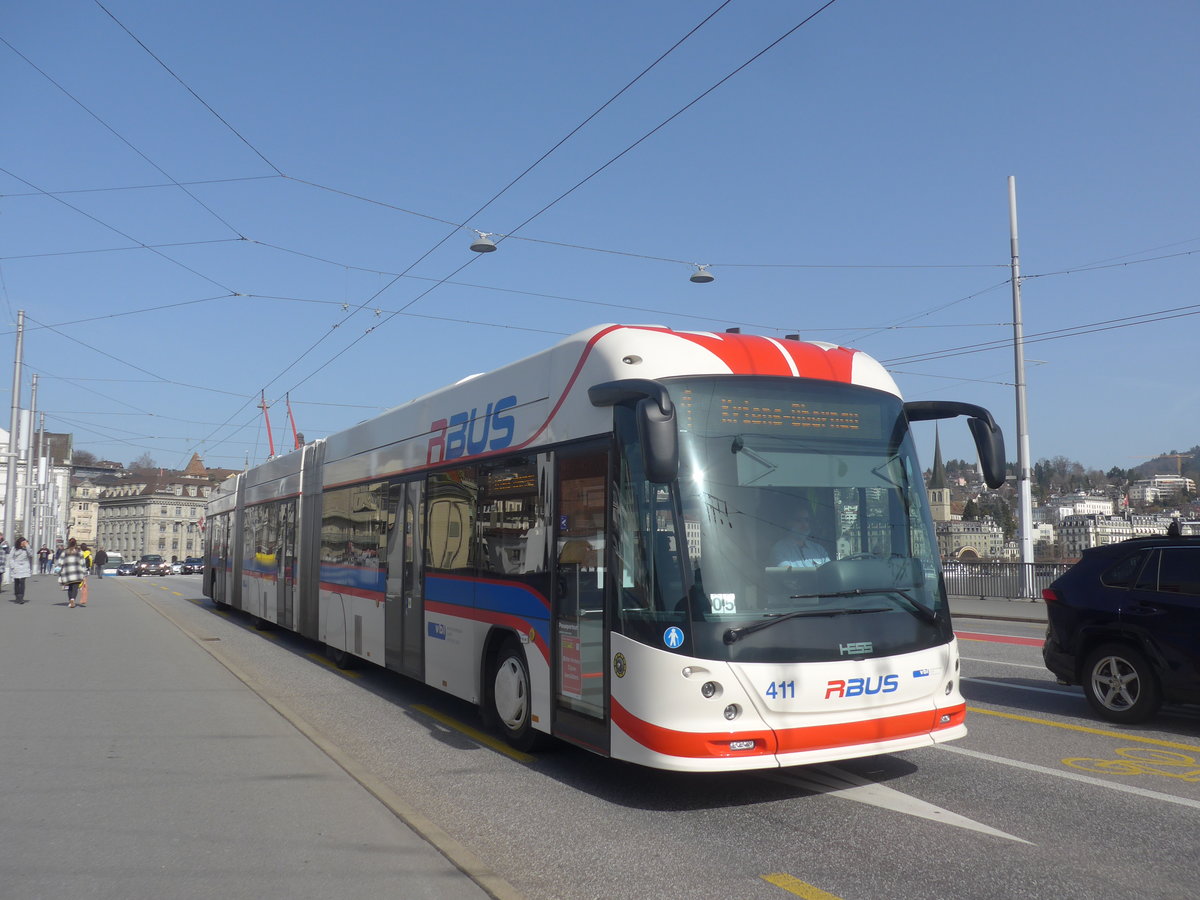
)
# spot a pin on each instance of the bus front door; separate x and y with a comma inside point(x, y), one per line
point(580, 618)
point(404, 619)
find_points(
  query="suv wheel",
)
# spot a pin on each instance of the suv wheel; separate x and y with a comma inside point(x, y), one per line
point(1120, 685)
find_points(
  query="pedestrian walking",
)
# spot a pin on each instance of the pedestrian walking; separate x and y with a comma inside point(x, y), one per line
point(43, 560)
point(3, 560)
point(101, 559)
point(20, 562)
point(73, 574)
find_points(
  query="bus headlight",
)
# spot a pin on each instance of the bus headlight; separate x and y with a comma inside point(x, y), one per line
point(949, 688)
point(710, 689)
point(732, 711)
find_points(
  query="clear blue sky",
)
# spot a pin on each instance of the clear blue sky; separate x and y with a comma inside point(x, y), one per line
point(849, 184)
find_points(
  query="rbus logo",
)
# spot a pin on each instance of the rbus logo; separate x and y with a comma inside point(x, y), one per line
point(469, 434)
point(858, 687)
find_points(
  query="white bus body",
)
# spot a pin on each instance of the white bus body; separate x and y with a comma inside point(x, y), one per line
point(579, 542)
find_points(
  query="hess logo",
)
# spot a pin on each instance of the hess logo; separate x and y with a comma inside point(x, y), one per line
point(467, 433)
point(858, 687)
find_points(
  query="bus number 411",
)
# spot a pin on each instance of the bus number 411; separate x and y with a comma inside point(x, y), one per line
point(782, 690)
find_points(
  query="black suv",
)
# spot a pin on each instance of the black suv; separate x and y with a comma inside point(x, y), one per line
point(1124, 623)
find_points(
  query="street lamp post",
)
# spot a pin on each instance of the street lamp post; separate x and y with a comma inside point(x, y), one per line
point(1024, 488)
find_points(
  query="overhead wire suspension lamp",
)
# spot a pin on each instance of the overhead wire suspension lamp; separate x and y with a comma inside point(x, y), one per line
point(483, 243)
point(701, 275)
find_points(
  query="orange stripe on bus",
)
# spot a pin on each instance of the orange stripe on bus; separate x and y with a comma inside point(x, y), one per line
point(703, 745)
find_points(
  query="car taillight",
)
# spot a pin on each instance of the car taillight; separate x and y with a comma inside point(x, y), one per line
point(1051, 596)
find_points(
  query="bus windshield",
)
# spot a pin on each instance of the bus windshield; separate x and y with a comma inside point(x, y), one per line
point(806, 533)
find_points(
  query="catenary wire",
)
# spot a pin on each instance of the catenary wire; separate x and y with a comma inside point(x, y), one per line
point(121, 137)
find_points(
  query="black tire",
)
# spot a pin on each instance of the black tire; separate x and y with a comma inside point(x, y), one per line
point(510, 696)
point(343, 659)
point(1120, 685)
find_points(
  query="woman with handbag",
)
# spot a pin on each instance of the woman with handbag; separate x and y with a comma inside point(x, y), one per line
point(20, 561)
point(73, 573)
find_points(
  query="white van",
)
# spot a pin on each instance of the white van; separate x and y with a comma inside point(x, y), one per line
point(114, 560)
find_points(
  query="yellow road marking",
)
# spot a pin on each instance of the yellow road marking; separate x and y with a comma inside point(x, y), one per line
point(794, 885)
point(330, 664)
point(476, 734)
point(1098, 731)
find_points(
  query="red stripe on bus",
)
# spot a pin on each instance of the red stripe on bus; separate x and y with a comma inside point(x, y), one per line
point(331, 587)
point(704, 745)
point(754, 355)
point(517, 624)
point(999, 638)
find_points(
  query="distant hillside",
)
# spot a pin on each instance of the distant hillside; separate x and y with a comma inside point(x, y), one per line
point(1168, 464)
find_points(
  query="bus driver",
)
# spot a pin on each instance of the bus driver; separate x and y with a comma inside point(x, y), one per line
point(798, 550)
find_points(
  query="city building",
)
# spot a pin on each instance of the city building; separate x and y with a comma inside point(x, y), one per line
point(1078, 533)
point(85, 510)
point(157, 512)
point(1160, 487)
point(41, 509)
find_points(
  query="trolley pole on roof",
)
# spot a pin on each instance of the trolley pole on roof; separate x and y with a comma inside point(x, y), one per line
point(1024, 489)
point(10, 485)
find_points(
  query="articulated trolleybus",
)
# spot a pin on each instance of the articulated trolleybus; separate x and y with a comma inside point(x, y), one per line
point(603, 542)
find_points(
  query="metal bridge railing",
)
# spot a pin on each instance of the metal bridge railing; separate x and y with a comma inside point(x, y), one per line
point(1011, 580)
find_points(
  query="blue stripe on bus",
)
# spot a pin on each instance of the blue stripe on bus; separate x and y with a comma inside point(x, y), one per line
point(494, 596)
point(354, 577)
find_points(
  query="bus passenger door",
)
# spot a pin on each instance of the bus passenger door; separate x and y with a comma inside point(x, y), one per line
point(404, 620)
point(580, 610)
point(285, 563)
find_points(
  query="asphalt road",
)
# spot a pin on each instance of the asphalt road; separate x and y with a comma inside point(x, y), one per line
point(1040, 800)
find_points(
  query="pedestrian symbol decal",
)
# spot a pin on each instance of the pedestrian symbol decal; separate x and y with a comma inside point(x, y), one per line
point(673, 637)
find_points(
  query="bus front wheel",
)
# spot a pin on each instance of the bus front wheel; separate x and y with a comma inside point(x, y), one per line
point(510, 696)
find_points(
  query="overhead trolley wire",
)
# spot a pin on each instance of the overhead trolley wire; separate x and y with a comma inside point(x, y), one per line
point(121, 137)
point(188, 88)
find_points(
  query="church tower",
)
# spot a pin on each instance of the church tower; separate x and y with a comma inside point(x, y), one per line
point(939, 489)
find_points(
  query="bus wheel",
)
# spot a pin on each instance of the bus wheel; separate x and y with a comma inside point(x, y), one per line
point(510, 696)
point(343, 659)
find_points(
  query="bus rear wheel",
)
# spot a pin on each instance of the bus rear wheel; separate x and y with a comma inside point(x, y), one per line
point(510, 696)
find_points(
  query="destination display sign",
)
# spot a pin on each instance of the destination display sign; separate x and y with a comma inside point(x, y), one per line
point(723, 410)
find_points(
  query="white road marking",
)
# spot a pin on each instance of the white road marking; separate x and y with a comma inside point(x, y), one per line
point(848, 786)
point(1022, 687)
point(1000, 662)
point(1071, 776)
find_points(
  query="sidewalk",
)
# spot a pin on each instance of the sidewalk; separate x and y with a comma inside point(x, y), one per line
point(998, 608)
point(134, 765)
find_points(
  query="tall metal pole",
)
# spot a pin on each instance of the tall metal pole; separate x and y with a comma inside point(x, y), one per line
point(1024, 487)
point(10, 486)
point(29, 485)
point(43, 475)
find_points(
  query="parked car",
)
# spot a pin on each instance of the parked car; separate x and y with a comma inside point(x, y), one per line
point(1124, 622)
point(127, 569)
point(153, 564)
point(193, 565)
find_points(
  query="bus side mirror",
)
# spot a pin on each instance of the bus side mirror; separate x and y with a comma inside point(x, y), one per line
point(660, 441)
point(655, 415)
point(989, 440)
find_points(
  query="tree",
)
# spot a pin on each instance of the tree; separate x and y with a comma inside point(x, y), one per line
point(143, 463)
point(83, 458)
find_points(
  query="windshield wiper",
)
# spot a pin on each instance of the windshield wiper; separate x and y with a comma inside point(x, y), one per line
point(918, 608)
point(734, 633)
